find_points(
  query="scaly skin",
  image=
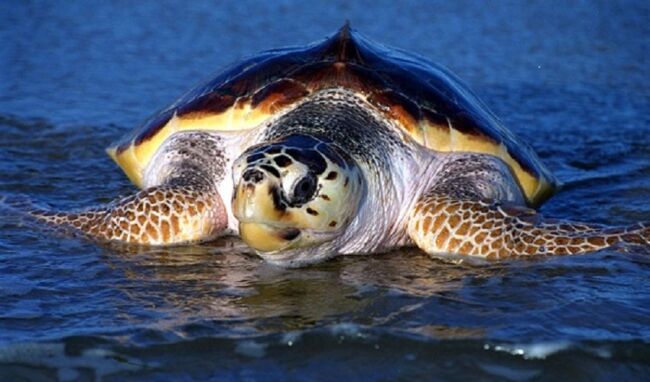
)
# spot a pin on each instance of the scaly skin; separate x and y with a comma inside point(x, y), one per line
point(184, 200)
point(475, 209)
point(156, 216)
point(441, 224)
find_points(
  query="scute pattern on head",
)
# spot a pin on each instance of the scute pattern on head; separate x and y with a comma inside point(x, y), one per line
point(296, 190)
point(432, 106)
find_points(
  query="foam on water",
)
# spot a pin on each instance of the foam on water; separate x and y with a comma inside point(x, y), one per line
point(55, 356)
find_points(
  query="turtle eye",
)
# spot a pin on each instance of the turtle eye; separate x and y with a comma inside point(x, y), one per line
point(304, 189)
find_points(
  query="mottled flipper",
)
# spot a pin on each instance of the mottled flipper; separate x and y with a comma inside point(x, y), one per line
point(182, 203)
point(162, 215)
point(460, 215)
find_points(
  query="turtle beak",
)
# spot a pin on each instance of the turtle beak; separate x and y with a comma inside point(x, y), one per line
point(266, 238)
point(255, 202)
point(263, 222)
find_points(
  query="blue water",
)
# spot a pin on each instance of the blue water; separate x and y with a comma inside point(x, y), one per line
point(572, 79)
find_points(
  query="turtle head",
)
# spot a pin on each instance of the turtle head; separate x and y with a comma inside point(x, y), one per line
point(293, 193)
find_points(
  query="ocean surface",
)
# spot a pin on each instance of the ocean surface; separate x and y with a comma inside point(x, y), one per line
point(571, 78)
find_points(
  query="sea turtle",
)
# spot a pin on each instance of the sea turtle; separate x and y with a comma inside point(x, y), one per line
point(341, 146)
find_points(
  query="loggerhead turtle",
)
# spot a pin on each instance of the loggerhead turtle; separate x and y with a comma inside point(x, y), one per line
point(342, 146)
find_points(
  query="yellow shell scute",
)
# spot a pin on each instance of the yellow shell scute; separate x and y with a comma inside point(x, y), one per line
point(445, 138)
point(127, 160)
point(436, 137)
point(136, 157)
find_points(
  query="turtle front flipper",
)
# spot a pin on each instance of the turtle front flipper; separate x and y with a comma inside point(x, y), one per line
point(476, 214)
point(441, 224)
point(182, 200)
point(163, 215)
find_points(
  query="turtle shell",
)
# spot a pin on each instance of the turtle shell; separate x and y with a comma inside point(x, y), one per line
point(434, 107)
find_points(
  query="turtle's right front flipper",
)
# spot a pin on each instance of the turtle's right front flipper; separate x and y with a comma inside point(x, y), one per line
point(162, 215)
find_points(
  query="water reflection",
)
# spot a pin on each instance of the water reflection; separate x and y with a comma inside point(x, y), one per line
point(224, 284)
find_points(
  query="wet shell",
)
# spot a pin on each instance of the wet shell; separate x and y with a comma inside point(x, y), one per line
point(434, 107)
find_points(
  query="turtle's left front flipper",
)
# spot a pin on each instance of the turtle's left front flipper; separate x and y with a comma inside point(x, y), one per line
point(476, 209)
point(441, 224)
point(162, 215)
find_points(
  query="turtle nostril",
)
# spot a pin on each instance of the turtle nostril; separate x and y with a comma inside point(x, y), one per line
point(304, 189)
point(253, 176)
point(290, 233)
